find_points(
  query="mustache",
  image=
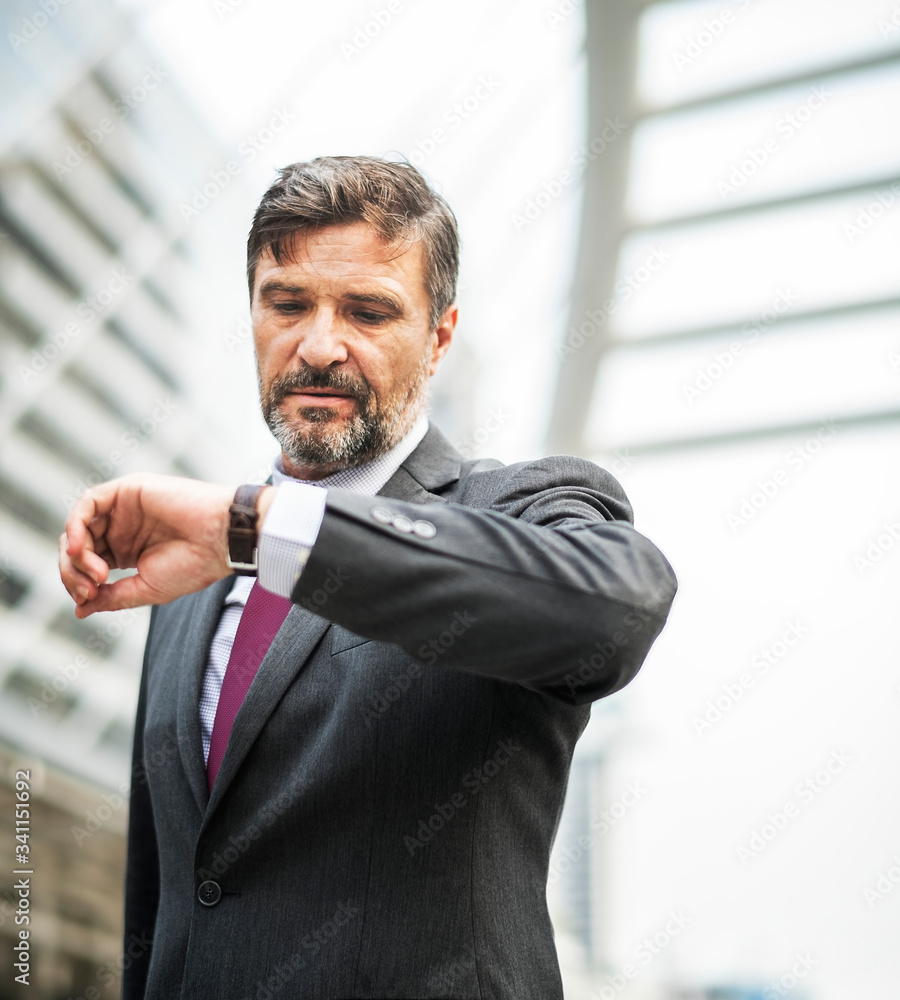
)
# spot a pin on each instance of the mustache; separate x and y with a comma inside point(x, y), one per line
point(308, 377)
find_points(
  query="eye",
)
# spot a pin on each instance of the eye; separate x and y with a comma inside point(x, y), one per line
point(287, 308)
point(370, 318)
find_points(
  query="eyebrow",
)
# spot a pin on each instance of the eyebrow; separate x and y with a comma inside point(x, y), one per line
point(269, 289)
point(378, 299)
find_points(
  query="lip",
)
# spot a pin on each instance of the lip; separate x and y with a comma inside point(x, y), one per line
point(320, 397)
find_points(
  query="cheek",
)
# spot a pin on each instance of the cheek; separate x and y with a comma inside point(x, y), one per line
point(273, 353)
point(385, 374)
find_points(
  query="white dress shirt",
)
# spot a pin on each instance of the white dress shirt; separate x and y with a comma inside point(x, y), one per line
point(285, 541)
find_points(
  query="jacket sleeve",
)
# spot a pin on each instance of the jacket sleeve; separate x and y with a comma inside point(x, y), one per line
point(548, 585)
point(142, 869)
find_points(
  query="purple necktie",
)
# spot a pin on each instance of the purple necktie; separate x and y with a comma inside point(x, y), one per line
point(262, 616)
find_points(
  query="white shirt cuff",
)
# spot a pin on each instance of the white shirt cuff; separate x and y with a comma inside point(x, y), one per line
point(288, 534)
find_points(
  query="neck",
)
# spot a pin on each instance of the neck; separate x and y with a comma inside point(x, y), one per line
point(310, 473)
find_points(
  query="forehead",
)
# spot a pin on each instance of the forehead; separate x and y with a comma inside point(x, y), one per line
point(347, 253)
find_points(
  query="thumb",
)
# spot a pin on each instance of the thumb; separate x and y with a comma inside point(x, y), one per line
point(129, 592)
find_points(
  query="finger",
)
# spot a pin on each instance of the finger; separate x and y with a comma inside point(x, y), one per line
point(98, 555)
point(79, 586)
point(77, 521)
point(129, 592)
point(93, 566)
point(86, 524)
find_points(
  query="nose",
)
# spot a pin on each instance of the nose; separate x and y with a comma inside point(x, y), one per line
point(322, 342)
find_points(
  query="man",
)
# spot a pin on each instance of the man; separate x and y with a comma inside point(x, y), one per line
point(363, 805)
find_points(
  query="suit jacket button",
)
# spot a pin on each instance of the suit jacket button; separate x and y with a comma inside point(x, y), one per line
point(209, 893)
point(382, 515)
point(403, 524)
point(424, 529)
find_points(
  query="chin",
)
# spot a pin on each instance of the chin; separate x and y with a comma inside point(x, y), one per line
point(318, 415)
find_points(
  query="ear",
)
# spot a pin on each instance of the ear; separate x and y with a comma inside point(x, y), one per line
point(442, 336)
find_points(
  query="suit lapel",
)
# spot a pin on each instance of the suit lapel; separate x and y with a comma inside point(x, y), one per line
point(433, 464)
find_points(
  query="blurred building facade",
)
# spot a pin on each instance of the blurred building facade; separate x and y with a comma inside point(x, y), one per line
point(737, 289)
point(104, 170)
point(732, 354)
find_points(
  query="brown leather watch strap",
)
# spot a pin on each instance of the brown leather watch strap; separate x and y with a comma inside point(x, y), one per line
point(242, 531)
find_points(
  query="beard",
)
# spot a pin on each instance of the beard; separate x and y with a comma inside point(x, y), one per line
point(324, 442)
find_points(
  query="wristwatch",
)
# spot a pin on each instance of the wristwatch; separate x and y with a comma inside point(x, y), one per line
point(242, 532)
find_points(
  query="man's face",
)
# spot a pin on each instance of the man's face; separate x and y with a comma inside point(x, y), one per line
point(344, 346)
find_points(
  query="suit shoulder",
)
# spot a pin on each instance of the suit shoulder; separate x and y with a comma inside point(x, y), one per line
point(545, 484)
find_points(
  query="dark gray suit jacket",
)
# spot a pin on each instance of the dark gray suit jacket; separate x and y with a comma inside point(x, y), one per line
point(382, 821)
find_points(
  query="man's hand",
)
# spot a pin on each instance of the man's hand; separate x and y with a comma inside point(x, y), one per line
point(174, 531)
